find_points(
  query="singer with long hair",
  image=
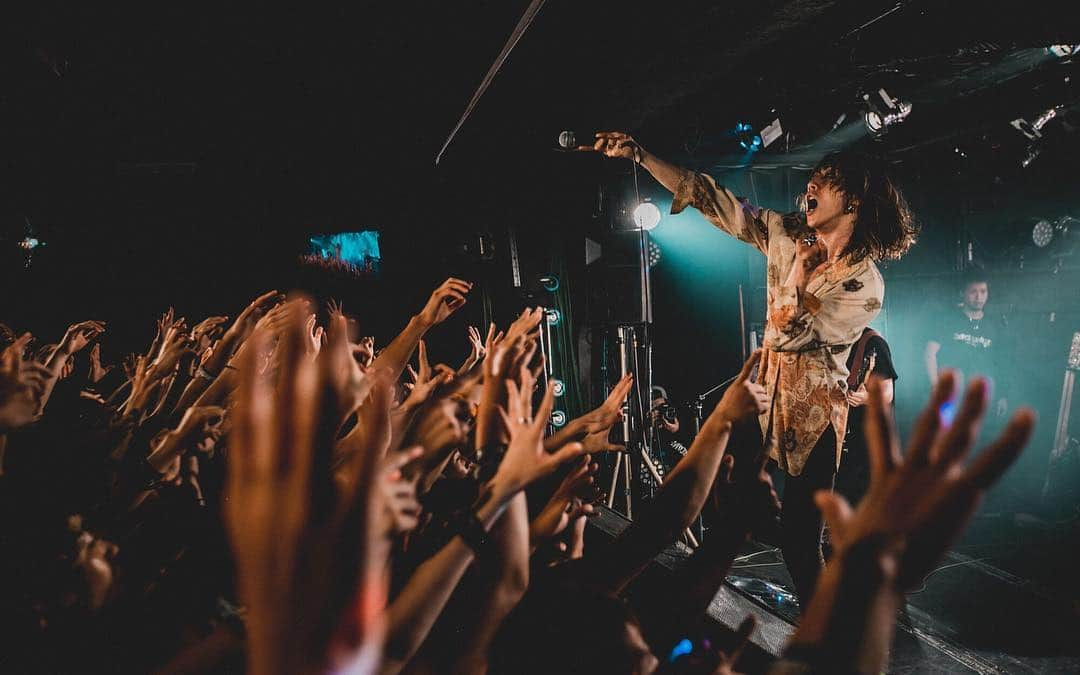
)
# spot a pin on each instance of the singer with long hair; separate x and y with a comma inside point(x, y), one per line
point(823, 290)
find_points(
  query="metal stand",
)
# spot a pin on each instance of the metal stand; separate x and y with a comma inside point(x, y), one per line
point(1061, 435)
point(635, 356)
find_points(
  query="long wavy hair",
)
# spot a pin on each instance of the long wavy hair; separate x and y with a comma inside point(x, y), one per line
point(884, 225)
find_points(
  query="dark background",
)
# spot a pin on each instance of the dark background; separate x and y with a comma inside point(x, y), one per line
point(181, 154)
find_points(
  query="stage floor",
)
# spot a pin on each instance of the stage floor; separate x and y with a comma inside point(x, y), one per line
point(1005, 600)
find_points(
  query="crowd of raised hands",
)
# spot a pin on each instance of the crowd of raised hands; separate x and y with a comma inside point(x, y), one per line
point(272, 493)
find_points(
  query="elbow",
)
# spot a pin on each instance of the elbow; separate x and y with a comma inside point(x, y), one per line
point(514, 582)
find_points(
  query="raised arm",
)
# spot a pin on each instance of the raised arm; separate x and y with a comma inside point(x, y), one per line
point(918, 503)
point(719, 205)
point(685, 489)
point(447, 299)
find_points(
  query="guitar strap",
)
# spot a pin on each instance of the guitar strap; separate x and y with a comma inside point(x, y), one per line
point(860, 353)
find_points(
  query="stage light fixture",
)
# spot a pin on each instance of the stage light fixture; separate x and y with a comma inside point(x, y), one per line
point(29, 243)
point(1062, 51)
point(553, 316)
point(884, 111)
point(558, 418)
point(1033, 130)
point(1045, 231)
point(558, 387)
point(654, 253)
point(549, 282)
point(646, 216)
point(1042, 233)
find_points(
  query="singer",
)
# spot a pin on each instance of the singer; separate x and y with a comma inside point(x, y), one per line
point(823, 290)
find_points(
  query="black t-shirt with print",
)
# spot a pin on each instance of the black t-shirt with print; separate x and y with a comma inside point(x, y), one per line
point(972, 346)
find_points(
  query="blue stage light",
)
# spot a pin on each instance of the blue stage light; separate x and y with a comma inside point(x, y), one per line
point(683, 648)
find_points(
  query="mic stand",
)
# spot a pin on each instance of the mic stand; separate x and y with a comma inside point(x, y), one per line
point(698, 404)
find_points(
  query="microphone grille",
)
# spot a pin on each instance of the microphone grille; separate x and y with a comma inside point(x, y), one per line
point(567, 140)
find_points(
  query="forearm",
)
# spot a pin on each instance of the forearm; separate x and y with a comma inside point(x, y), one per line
point(396, 355)
point(848, 625)
point(56, 367)
point(413, 612)
point(503, 587)
point(930, 358)
point(665, 173)
point(679, 502)
point(574, 430)
point(690, 596)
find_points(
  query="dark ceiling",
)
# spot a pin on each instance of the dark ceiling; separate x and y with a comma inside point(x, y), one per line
point(276, 111)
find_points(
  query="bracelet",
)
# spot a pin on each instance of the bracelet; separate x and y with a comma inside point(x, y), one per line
point(472, 532)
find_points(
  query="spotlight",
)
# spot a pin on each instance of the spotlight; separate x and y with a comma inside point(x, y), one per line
point(550, 283)
point(553, 316)
point(1046, 231)
point(29, 243)
point(558, 418)
point(557, 387)
point(654, 254)
point(1062, 51)
point(646, 216)
point(884, 111)
point(1042, 233)
point(1033, 130)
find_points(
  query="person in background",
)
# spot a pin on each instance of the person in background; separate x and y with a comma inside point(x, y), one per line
point(971, 341)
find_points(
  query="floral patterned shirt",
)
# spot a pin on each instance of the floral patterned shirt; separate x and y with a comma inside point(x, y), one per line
point(807, 335)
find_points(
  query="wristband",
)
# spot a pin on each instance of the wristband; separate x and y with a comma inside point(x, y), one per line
point(472, 532)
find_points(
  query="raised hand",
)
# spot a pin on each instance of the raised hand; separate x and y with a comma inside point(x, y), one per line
point(301, 546)
point(744, 398)
point(79, 335)
point(401, 507)
point(610, 411)
point(97, 371)
point(21, 386)
point(526, 460)
point(245, 320)
point(919, 503)
point(314, 337)
point(208, 328)
point(444, 301)
point(573, 498)
point(477, 343)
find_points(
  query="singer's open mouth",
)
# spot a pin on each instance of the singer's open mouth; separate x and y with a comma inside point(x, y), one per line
point(811, 204)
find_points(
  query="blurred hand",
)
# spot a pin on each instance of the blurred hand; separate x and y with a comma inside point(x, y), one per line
point(302, 546)
point(21, 386)
point(918, 504)
point(401, 507)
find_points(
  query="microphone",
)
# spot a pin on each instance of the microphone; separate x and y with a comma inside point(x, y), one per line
point(567, 140)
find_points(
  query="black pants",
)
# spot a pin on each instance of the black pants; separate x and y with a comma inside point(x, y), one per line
point(801, 520)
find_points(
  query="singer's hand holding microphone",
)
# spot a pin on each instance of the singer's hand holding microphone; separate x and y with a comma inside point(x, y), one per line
point(609, 143)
